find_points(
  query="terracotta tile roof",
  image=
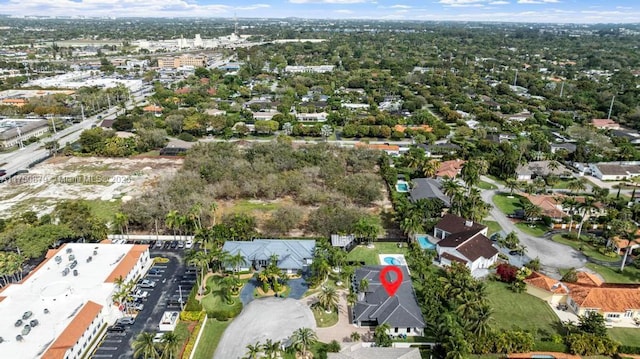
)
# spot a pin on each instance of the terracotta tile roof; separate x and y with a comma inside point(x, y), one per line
point(590, 292)
point(622, 243)
point(69, 337)
point(378, 146)
point(548, 204)
point(183, 91)
point(402, 128)
point(450, 169)
point(127, 263)
point(604, 123)
point(543, 282)
point(152, 108)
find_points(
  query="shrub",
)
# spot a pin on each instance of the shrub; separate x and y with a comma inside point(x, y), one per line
point(190, 346)
point(187, 137)
point(571, 236)
point(333, 347)
point(191, 316)
point(629, 349)
point(506, 272)
point(225, 314)
point(160, 260)
point(193, 305)
point(534, 264)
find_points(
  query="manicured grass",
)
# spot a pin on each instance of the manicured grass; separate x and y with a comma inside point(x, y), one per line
point(324, 319)
point(370, 256)
point(520, 310)
point(494, 227)
point(314, 349)
point(486, 185)
point(536, 230)
point(631, 274)
point(211, 335)
point(104, 210)
point(507, 203)
point(495, 179)
point(182, 331)
point(213, 300)
point(626, 336)
point(587, 248)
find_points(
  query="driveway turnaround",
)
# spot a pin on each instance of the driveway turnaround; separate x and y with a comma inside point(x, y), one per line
point(551, 254)
point(298, 288)
point(262, 319)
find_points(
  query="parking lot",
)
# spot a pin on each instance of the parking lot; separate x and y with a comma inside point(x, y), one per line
point(173, 281)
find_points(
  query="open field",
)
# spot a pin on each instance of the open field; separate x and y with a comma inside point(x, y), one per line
point(631, 274)
point(105, 181)
point(210, 338)
point(507, 203)
point(587, 248)
point(626, 336)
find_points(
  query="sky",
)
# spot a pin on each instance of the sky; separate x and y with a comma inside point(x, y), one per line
point(562, 11)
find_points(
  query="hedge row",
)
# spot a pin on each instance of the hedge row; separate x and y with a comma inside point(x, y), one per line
point(191, 344)
point(629, 349)
point(225, 314)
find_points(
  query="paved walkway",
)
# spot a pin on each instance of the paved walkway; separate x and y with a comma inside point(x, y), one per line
point(342, 330)
point(552, 255)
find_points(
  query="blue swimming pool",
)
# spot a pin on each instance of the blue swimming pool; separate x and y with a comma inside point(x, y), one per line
point(402, 186)
point(392, 261)
point(424, 243)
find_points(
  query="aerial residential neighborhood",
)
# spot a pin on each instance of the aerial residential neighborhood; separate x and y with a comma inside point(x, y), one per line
point(320, 179)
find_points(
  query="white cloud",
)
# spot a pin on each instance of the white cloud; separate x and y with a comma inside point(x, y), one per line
point(400, 7)
point(343, 11)
point(459, 2)
point(538, 1)
point(327, 1)
point(499, 3)
point(253, 7)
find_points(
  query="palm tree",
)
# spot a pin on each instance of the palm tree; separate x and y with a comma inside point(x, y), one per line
point(328, 299)
point(272, 349)
point(213, 208)
point(512, 184)
point(338, 258)
point(429, 167)
point(481, 320)
point(470, 173)
point(532, 212)
point(170, 343)
point(352, 298)
point(226, 286)
point(576, 185)
point(571, 204)
point(287, 128)
point(381, 335)
point(122, 221)
point(195, 216)
point(321, 268)
point(236, 261)
point(553, 165)
point(326, 131)
point(302, 339)
point(144, 347)
point(253, 350)
point(586, 206)
point(171, 221)
point(200, 260)
point(363, 285)
point(355, 336)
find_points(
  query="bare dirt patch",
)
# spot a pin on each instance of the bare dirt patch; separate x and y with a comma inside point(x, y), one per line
point(90, 178)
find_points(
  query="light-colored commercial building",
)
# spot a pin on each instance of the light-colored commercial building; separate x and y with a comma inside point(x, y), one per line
point(14, 131)
point(61, 307)
point(181, 61)
point(309, 69)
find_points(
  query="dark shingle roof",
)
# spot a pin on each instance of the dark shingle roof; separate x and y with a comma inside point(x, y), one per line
point(454, 224)
point(400, 310)
point(425, 188)
point(476, 247)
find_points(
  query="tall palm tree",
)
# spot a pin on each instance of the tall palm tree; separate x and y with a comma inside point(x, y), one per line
point(213, 209)
point(352, 298)
point(512, 184)
point(272, 349)
point(328, 298)
point(570, 203)
point(200, 260)
point(586, 207)
point(144, 347)
point(121, 220)
point(171, 221)
point(195, 216)
point(170, 344)
point(576, 185)
point(302, 339)
point(236, 261)
point(226, 287)
point(253, 350)
point(363, 285)
point(429, 167)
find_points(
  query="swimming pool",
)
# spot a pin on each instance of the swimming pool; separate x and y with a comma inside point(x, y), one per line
point(391, 260)
point(402, 186)
point(424, 242)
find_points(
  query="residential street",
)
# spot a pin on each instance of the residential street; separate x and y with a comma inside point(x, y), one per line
point(552, 255)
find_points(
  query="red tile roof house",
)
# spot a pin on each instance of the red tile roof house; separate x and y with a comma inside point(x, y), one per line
point(464, 241)
point(605, 124)
point(618, 303)
point(450, 169)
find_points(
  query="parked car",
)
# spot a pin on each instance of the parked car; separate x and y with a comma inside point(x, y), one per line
point(138, 306)
point(158, 337)
point(140, 294)
point(174, 244)
point(154, 271)
point(145, 283)
point(116, 329)
point(181, 244)
point(126, 321)
point(158, 244)
point(188, 244)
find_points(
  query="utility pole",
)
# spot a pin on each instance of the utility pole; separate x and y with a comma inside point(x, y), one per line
point(562, 89)
point(20, 138)
point(53, 123)
point(515, 80)
point(82, 111)
point(611, 108)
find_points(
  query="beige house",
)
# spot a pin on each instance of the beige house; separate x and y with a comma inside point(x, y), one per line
point(618, 303)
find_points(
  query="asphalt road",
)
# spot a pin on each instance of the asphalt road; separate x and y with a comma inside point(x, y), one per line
point(21, 158)
point(551, 254)
point(118, 346)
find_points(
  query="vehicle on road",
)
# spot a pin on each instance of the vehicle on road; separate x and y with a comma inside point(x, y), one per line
point(140, 294)
point(145, 283)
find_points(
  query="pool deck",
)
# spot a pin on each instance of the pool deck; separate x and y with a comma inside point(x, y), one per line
point(399, 257)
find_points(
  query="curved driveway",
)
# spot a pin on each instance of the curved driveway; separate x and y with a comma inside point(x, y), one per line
point(551, 254)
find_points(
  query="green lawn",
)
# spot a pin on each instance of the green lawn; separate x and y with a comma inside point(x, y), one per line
point(370, 256)
point(486, 185)
point(208, 343)
point(631, 274)
point(587, 248)
point(495, 179)
point(520, 310)
point(324, 319)
point(213, 301)
point(494, 227)
point(506, 203)
point(626, 336)
point(536, 230)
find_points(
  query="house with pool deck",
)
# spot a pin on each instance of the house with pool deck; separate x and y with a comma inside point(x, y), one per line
point(456, 239)
point(375, 307)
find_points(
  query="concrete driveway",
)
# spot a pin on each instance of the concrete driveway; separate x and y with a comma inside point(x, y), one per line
point(298, 288)
point(552, 255)
point(262, 319)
